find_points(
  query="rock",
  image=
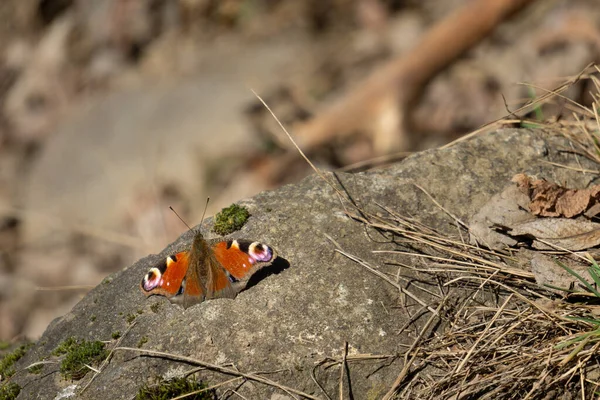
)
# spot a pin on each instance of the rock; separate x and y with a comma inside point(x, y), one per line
point(292, 320)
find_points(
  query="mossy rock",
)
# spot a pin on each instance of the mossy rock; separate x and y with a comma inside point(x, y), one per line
point(230, 219)
point(168, 389)
point(78, 354)
point(7, 362)
point(9, 391)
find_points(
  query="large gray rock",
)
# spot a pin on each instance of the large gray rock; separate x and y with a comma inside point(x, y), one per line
point(292, 320)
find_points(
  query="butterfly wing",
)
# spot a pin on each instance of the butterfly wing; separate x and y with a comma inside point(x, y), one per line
point(243, 258)
point(167, 279)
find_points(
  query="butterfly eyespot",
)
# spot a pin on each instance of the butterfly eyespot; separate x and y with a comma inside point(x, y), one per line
point(152, 279)
point(260, 252)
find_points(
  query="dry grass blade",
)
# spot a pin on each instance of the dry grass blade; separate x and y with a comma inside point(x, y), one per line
point(485, 331)
point(579, 169)
point(314, 379)
point(375, 162)
point(386, 278)
point(218, 368)
point(107, 359)
point(408, 362)
point(550, 94)
point(454, 217)
point(291, 139)
point(218, 385)
point(343, 197)
point(328, 362)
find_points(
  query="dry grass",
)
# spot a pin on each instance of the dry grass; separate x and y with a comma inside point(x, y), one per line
point(501, 336)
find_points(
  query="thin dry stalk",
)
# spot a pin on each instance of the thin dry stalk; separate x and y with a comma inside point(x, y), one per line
point(408, 362)
point(107, 359)
point(314, 379)
point(218, 385)
point(483, 334)
point(549, 95)
point(218, 368)
point(385, 278)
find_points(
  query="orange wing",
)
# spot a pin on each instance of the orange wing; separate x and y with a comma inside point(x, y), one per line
point(242, 258)
point(167, 278)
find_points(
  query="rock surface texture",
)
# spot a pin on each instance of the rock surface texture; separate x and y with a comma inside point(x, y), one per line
point(290, 321)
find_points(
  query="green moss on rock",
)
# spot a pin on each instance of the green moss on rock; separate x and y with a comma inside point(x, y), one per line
point(77, 355)
point(36, 369)
point(65, 347)
point(155, 307)
point(230, 219)
point(8, 361)
point(9, 391)
point(168, 389)
point(142, 341)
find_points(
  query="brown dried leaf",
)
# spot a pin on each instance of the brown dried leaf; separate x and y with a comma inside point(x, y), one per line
point(593, 211)
point(505, 220)
point(503, 210)
point(551, 200)
point(562, 233)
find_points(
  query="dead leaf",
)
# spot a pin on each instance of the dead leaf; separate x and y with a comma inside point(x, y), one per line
point(501, 212)
point(561, 233)
point(505, 221)
point(593, 211)
point(548, 199)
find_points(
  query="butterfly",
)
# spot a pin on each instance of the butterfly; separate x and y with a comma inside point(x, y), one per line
point(210, 269)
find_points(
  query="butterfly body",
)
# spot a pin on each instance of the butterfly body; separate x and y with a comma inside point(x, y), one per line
point(210, 269)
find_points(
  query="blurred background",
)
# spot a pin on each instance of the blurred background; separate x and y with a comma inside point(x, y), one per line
point(113, 110)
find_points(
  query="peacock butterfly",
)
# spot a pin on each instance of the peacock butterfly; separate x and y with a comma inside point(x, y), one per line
point(210, 269)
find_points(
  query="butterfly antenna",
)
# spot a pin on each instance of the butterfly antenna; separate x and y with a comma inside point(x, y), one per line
point(181, 219)
point(204, 212)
